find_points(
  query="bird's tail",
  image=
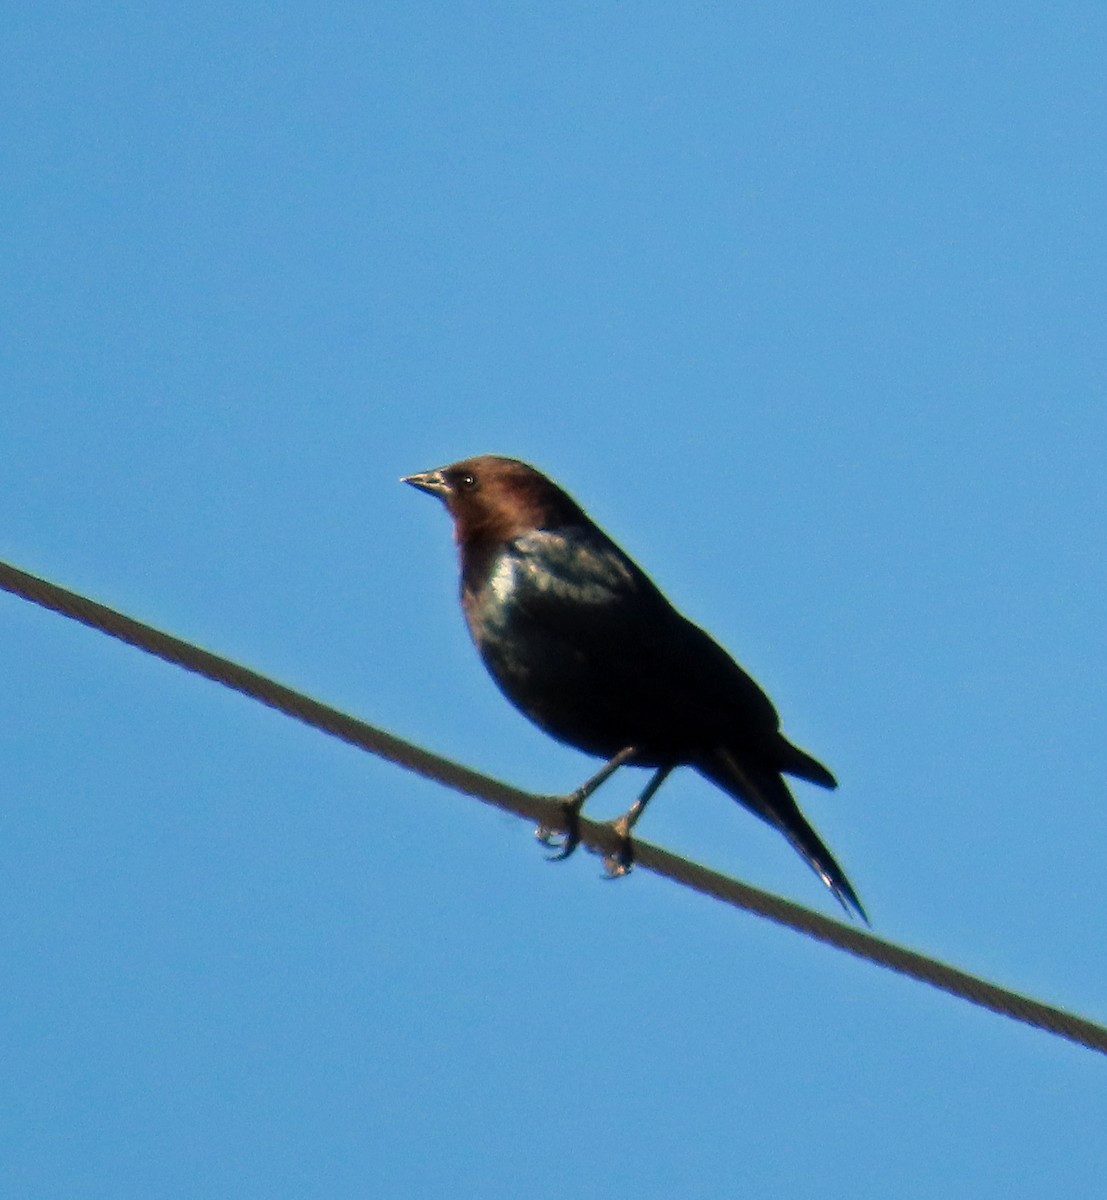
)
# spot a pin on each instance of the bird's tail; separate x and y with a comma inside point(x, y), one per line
point(764, 792)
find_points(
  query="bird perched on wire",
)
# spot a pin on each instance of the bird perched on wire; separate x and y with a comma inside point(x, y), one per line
point(586, 646)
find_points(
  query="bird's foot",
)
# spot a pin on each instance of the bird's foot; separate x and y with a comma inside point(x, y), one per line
point(564, 843)
point(621, 861)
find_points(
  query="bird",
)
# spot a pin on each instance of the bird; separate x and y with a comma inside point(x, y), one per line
point(585, 645)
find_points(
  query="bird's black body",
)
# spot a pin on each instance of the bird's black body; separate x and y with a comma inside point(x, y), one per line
point(585, 645)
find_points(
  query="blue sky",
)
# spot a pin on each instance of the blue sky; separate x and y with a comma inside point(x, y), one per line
point(806, 306)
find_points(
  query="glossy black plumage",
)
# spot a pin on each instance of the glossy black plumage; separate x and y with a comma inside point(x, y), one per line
point(585, 645)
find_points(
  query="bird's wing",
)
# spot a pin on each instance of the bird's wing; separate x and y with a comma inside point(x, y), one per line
point(583, 590)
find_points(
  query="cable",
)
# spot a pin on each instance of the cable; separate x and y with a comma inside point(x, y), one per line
point(545, 810)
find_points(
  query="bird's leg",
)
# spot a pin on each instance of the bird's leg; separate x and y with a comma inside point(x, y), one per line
point(622, 860)
point(574, 802)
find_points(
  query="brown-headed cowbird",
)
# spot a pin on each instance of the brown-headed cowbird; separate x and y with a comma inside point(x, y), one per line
point(587, 647)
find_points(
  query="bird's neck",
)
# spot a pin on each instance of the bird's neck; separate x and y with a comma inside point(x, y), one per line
point(477, 557)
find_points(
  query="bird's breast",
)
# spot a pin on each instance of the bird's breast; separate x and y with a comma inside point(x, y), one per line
point(550, 642)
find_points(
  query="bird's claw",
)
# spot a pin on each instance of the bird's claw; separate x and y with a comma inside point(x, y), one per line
point(564, 843)
point(621, 861)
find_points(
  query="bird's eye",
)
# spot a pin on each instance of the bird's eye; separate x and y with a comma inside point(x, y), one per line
point(467, 482)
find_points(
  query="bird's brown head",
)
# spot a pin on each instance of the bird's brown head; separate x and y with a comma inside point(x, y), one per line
point(494, 499)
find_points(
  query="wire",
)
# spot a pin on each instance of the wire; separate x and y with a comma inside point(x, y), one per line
point(545, 810)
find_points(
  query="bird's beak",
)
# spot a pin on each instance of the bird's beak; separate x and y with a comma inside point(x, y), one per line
point(433, 482)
